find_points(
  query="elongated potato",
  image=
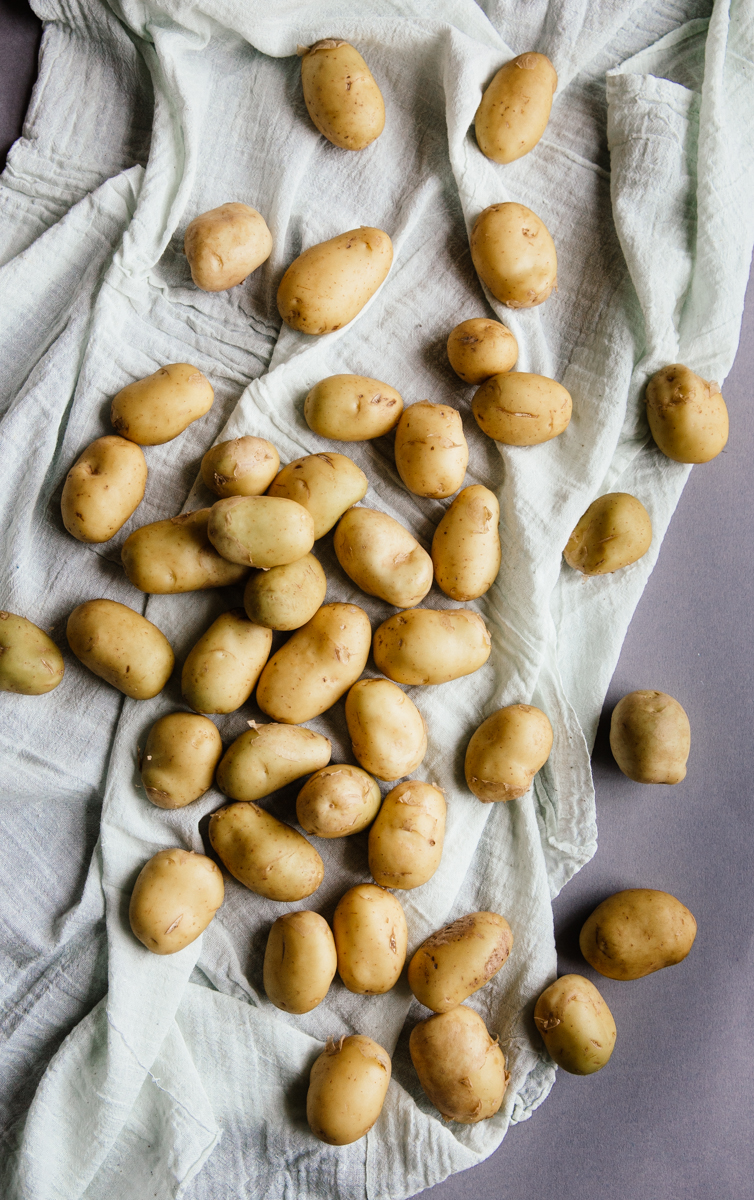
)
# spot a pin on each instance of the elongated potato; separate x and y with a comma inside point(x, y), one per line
point(286, 597)
point(382, 557)
point(479, 348)
point(459, 959)
point(614, 532)
point(337, 801)
point(244, 466)
point(225, 245)
point(260, 531)
point(121, 646)
point(650, 737)
point(520, 409)
point(155, 410)
point(636, 932)
point(423, 645)
point(179, 760)
point(167, 557)
point(329, 284)
point(466, 545)
point(687, 415)
point(324, 484)
point(341, 95)
point(576, 1025)
point(406, 840)
point(223, 667)
point(514, 255)
point(371, 936)
point(103, 488)
point(267, 757)
point(431, 452)
point(174, 899)
point(347, 1088)
point(265, 855)
point(387, 731)
point(506, 751)
point(299, 962)
point(515, 108)
point(30, 662)
point(352, 408)
point(460, 1067)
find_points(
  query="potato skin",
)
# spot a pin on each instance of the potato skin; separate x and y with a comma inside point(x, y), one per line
point(222, 668)
point(636, 932)
point(225, 245)
point(614, 532)
point(174, 899)
point(324, 484)
point(347, 1088)
point(515, 108)
point(244, 466)
point(506, 751)
point(286, 597)
point(479, 348)
point(406, 840)
point(121, 646)
point(260, 531)
point(423, 645)
point(458, 960)
point(576, 1025)
point(514, 255)
point(265, 855)
point(172, 556)
point(155, 410)
point(460, 1067)
point(352, 408)
point(337, 801)
point(521, 409)
point(687, 415)
point(466, 546)
point(382, 557)
point(103, 488)
point(371, 936)
point(650, 737)
point(329, 284)
point(267, 757)
point(431, 452)
point(30, 662)
point(341, 95)
point(179, 760)
point(299, 962)
point(387, 731)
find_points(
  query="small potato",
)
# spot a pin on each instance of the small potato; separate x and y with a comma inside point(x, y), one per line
point(614, 532)
point(337, 801)
point(167, 557)
point(30, 662)
point(317, 664)
point(179, 760)
point(423, 645)
point(299, 962)
point(267, 757)
point(514, 255)
point(371, 938)
point(576, 1025)
point(460, 1067)
point(406, 840)
point(466, 546)
point(260, 531)
point(286, 597)
point(352, 408)
point(460, 959)
point(387, 731)
point(650, 737)
point(479, 348)
point(103, 488)
point(121, 646)
point(223, 667)
point(265, 855)
point(520, 409)
point(431, 452)
point(636, 932)
point(244, 466)
point(329, 284)
point(382, 557)
point(155, 410)
point(225, 245)
point(340, 94)
point(324, 484)
point(347, 1088)
point(174, 899)
point(687, 415)
point(506, 751)
point(515, 108)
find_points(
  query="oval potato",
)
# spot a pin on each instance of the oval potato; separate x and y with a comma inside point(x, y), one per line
point(575, 1024)
point(460, 1067)
point(286, 597)
point(178, 765)
point(514, 255)
point(506, 751)
point(103, 488)
point(466, 545)
point(222, 668)
point(687, 415)
point(324, 484)
point(155, 410)
point(520, 409)
point(225, 245)
point(329, 284)
point(382, 557)
point(121, 646)
point(352, 408)
point(265, 855)
point(260, 531)
point(341, 95)
point(30, 662)
point(459, 959)
point(337, 801)
point(515, 108)
point(479, 348)
point(424, 645)
point(431, 452)
point(387, 731)
point(267, 757)
point(172, 556)
point(636, 932)
point(299, 962)
point(371, 936)
point(174, 899)
point(614, 532)
point(244, 466)
point(650, 737)
point(406, 840)
point(347, 1088)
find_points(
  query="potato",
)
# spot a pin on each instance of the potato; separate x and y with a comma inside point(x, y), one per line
point(460, 1067)
point(347, 1088)
point(514, 255)
point(423, 645)
point(352, 408)
point(103, 488)
point(459, 959)
point(338, 800)
point(636, 932)
point(515, 108)
point(340, 94)
point(265, 855)
point(466, 545)
point(267, 757)
point(382, 557)
point(324, 484)
point(121, 646)
point(225, 245)
point(286, 597)
point(576, 1025)
point(317, 664)
point(155, 410)
point(650, 737)
point(506, 751)
point(520, 409)
point(387, 731)
point(174, 899)
point(260, 531)
point(223, 667)
point(431, 452)
point(299, 962)
point(371, 936)
point(479, 348)
point(406, 840)
point(30, 662)
point(244, 466)
point(167, 557)
point(179, 760)
point(614, 532)
point(329, 284)
point(687, 415)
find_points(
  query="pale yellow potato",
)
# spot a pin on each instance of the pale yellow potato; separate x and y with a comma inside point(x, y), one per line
point(267, 757)
point(30, 662)
point(329, 284)
point(317, 664)
point(479, 348)
point(347, 1088)
point(406, 840)
point(155, 410)
point(650, 737)
point(324, 484)
point(514, 255)
point(506, 751)
point(687, 415)
point(341, 95)
point(459, 959)
point(636, 932)
point(387, 731)
point(167, 557)
point(103, 488)
point(225, 245)
point(121, 646)
point(460, 1067)
point(466, 545)
point(521, 409)
point(352, 408)
point(424, 645)
point(260, 531)
point(174, 899)
point(431, 452)
point(382, 557)
point(265, 855)
point(222, 668)
point(299, 962)
point(576, 1025)
point(371, 937)
point(337, 801)
point(244, 466)
point(515, 108)
point(286, 597)
point(179, 759)
point(614, 532)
